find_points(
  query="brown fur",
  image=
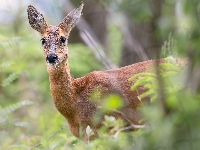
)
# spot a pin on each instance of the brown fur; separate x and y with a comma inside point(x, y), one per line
point(72, 97)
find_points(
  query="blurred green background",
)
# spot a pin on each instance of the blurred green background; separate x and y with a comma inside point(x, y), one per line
point(127, 32)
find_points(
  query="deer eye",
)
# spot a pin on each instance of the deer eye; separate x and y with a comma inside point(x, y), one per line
point(43, 41)
point(62, 40)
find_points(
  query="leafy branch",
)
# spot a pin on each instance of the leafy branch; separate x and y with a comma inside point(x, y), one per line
point(168, 70)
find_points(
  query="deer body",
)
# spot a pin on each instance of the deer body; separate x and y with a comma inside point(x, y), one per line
point(72, 97)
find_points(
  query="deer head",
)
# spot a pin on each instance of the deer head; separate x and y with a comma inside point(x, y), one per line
point(54, 38)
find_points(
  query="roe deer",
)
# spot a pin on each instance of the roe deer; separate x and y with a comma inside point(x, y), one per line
point(72, 96)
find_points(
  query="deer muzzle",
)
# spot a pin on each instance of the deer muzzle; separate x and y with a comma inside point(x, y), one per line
point(52, 59)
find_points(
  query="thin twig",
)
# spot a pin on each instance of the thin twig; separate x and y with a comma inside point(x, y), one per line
point(121, 130)
point(124, 117)
point(133, 43)
point(97, 50)
point(132, 126)
point(49, 137)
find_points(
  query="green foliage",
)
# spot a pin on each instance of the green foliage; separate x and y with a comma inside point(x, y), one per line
point(4, 112)
point(169, 72)
point(112, 102)
point(169, 47)
point(10, 79)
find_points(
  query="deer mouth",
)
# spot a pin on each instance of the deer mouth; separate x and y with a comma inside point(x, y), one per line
point(52, 59)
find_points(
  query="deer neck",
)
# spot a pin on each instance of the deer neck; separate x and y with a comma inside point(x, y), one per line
point(61, 86)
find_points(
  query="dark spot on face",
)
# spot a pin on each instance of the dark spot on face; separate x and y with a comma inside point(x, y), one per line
point(43, 41)
point(62, 40)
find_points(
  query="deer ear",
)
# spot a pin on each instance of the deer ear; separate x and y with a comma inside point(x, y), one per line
point(69, 22)
point(36, 19)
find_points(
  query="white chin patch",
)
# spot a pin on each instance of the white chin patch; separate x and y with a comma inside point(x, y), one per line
point(52, 64)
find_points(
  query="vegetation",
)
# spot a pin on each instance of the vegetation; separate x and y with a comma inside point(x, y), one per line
point(29, 120)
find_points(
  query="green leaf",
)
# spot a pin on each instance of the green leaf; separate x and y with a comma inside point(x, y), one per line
point(112, 102)
point(168, 67)
point(109, 120)
point(142, 75)
point(14, 107)
point(142, 81)
point(10, 79)
point(147, 93)
point(170, 59)
point(169, 74)
point(149, 86)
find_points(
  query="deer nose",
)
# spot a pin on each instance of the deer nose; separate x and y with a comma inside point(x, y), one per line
point(51, 58)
